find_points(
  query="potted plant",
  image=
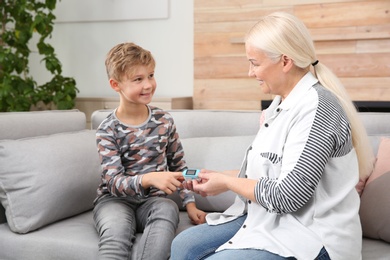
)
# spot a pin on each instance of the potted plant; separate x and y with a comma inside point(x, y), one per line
point(20, 20)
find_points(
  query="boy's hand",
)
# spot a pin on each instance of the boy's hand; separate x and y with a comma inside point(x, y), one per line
point(196, 215)
point(168, 182)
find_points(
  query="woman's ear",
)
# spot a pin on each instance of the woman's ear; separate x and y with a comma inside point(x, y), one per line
point(114, 84)
point(287, 63)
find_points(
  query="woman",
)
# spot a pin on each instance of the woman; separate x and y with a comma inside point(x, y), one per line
point(296, 187)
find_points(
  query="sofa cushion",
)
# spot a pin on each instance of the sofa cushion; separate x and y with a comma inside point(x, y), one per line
point(73, 238)
point(47, 178)
point(375, 200)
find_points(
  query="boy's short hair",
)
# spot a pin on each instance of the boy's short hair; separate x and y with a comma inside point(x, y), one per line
point(122, 59)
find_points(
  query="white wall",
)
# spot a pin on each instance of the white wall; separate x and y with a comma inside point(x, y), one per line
point(82, 47)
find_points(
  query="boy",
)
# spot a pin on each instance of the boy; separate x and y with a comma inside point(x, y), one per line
point(142, 160)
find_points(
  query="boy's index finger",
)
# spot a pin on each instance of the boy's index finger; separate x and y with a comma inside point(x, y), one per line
point(177, 175)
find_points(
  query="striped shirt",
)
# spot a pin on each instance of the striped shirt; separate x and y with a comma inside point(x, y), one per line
point(307, 170)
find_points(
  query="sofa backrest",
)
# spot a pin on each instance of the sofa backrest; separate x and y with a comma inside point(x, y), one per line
point(17, 125)
point(204, 123)
point(201, 123)
point(230, 131)
point(377, 125)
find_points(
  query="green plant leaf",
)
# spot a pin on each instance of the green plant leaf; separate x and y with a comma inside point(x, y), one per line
point(51, 4)
point(53, 64)
point(20, 20)
point(45, 48)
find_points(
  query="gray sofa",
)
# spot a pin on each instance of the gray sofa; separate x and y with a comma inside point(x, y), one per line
point(49, 172)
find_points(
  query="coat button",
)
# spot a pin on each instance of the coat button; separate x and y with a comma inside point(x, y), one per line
point(249, 202)
point(230, 242)
point(278, 110)
point(266, 125)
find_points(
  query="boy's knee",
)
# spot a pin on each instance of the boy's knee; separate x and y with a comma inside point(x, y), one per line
point(165, 209)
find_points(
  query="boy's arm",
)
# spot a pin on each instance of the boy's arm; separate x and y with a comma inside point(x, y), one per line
point(196, 215)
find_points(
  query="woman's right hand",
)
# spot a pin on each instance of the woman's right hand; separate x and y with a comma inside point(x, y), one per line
point(211, 183)
point(217, 186)
point(188, 184)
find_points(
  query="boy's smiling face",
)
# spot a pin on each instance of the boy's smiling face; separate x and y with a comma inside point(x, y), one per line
point(138, 87)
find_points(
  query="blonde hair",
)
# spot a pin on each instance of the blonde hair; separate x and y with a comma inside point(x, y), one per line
point(284, 34)
point(122, 59)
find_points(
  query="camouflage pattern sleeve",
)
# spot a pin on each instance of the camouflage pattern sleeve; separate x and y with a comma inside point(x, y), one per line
point(186, 196)
point(175, 152)
point(176, 162)
point(115, 179)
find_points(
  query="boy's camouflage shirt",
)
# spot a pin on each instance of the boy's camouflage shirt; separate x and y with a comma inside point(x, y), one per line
point(127, 152)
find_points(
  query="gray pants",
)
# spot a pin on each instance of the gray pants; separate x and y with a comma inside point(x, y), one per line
point(117, 221)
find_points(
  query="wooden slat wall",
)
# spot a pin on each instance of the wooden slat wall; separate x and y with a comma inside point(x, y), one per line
point(351, 37)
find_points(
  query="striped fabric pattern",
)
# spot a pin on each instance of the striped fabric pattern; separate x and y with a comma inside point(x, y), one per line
point(329, 137)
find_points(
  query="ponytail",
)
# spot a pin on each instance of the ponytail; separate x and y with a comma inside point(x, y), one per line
point(360, 139)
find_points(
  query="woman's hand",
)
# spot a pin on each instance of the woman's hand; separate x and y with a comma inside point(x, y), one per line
point(188, 184)
point(211, 183)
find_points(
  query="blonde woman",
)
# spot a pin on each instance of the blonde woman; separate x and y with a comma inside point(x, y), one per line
point(296, 195)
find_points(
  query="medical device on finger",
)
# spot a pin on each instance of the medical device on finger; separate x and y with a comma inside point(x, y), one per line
point(191, 174)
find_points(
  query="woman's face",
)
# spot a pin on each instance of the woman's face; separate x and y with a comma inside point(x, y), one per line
point(269, 73)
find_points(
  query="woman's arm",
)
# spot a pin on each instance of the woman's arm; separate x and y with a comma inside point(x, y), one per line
point(214, 183)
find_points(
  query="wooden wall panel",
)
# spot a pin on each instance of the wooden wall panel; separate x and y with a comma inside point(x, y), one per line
point(358, 64)
point(358, 13)
point(352, 37)
point(343, 64)
point(368, 89)
point(372, 46)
